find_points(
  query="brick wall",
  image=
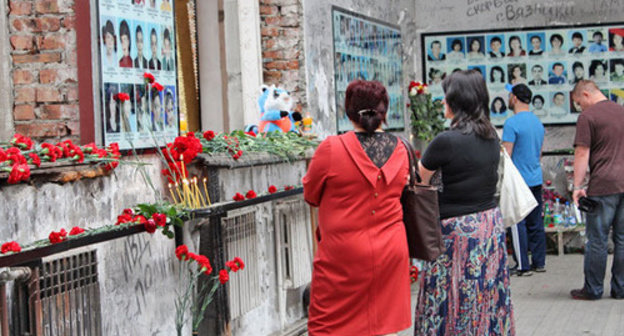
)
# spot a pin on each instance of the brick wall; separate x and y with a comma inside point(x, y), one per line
point(44, 76)
point(281, 24)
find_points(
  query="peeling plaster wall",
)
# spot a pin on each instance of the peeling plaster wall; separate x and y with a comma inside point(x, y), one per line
point(462, 15)
point(137, 274)
point(319, 57)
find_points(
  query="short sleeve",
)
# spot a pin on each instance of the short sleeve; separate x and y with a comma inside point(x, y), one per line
point(438, 153)
point(318, 171)
point(509, 132)
point(583, 132)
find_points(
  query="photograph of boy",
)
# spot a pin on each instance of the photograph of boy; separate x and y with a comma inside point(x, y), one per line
point(577, 43)
point(557, 74)
point(536, 40)
point(496, 48)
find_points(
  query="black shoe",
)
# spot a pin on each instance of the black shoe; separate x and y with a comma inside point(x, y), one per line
point(539, 269)
point(521, 273)
point(581, 294)
point(617, 297)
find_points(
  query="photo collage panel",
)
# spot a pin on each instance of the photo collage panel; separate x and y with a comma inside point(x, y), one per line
point(135, 37)
point(549, 61)
point(365, 49)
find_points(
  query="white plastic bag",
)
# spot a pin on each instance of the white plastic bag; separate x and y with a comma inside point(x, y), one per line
point(516, 199)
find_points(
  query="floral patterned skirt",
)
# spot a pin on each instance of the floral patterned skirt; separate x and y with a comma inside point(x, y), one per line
point(466, 290)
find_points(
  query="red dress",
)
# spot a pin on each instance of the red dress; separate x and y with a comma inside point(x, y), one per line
point(360, 281)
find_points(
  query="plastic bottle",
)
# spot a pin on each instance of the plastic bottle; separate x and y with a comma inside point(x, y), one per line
point(570, 219)
point(557, 216)
point(548, 218)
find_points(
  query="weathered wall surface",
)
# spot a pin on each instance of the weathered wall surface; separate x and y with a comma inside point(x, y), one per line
point(319, 56)
point(44, 68)
point(461, 15)
point(137, 274)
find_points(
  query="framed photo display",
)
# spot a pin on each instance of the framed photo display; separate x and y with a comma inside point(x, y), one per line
point(369, 49)
point(137, 36)
point(549, 60)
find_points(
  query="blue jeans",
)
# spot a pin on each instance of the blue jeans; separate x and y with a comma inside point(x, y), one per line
point(609, 213)
point(528, 235)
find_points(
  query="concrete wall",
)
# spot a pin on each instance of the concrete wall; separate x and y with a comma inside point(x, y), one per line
point(461, 15)
point(137, 274)
point(319, 56)
point(266, 319)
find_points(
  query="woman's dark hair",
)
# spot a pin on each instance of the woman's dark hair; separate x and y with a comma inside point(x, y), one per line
point(594, 64)
point(503, 105)
point(433, 72)
point(456, 42)
point(499, 69)
point(577, 65)
point(124, 29)
point(556, 36)
point(362, 100)
point(109, 29)
point(515, 37)
point(467, 96)
point(473, 40)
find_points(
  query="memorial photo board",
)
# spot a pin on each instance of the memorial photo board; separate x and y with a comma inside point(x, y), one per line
point(366, 48)
point(134, 37)
point(549, 60)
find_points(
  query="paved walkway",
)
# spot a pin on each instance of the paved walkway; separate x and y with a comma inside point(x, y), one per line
point(543, 307)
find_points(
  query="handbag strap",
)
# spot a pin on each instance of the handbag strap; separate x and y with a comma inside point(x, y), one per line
point(414, 176)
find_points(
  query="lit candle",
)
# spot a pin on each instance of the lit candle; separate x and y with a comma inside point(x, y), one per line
point(172, 194)
point(177, 187)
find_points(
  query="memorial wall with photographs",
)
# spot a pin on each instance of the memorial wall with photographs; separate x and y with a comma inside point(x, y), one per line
point(365, 48)
point(137, 36)
point(549, 61)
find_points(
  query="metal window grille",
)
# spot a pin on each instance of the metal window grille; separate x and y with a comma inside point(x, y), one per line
point(294, 239)
point(65, 297)
point(240, 239)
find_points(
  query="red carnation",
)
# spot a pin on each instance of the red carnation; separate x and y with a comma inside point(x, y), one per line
point(149, 78)
point(19, 172)
point(181, 252)
point(128, 211)
point(76, 231)
point(122, 219)
point(57, 237)
point(251, 133)
point(204, 262)
point(185, 147)
point(22, 142)
point(150, 226)
point(157, 86)
point(34, 159)
point(122, 96)
point(288, 187)
point(417, 153)
point(240, 262)
point(11, 246)
point(160, 219)
point(411, 85)
point(238, 197)
point(14, 155)
point(251, 194)
point(209, 135)
point(3, 155)
point(175, 172)
point(223, 276)
point(140, 219)
point(49, 151)
point(272, 189)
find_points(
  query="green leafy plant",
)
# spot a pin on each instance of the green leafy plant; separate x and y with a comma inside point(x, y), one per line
point(427, 119)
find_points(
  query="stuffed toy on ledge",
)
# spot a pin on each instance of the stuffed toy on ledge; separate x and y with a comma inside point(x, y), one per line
point(275, 105)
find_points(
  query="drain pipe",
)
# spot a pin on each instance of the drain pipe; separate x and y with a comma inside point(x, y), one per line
point(9, 274)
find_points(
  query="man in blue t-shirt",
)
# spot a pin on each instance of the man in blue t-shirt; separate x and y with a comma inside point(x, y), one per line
point(523, 136)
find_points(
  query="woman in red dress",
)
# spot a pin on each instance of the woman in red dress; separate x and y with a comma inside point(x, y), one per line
point(360, 281)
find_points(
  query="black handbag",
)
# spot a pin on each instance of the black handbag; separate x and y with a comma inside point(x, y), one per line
point(421, 214)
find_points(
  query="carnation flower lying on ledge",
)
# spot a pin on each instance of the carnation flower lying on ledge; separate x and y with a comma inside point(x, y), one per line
point(20, 156)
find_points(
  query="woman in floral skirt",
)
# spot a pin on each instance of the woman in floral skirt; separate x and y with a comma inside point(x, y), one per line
point(466, 290)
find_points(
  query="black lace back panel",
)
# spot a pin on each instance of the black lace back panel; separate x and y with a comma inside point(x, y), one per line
point(378, 146)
